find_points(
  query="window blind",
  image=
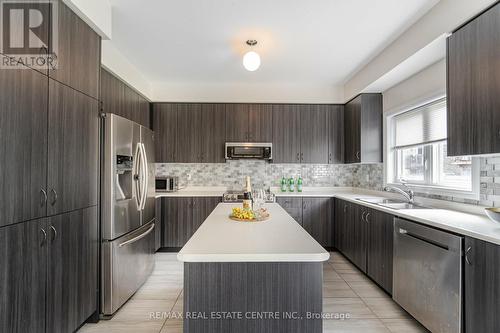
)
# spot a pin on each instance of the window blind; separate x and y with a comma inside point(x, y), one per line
point(420, 126)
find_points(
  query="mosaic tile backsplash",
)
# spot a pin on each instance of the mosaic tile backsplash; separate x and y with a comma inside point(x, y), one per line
point(263, 174)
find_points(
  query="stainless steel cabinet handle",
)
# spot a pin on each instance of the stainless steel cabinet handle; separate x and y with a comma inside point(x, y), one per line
point(357, 155)
point(54, 233)
point(345, 208)
point(135, 239)
point(298, 157)
point(363, 216)
point(467, 260)
point(43, 198)
point(44, 237)
point(366, 217)
point(54, 197)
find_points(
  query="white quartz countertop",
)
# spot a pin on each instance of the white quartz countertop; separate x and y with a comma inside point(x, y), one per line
point(195, 191)
point(279, 239)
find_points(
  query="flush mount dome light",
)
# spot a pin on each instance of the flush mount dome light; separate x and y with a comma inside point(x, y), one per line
point(251, 59)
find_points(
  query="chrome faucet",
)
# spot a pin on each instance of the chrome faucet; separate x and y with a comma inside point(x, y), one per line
point(407, 193)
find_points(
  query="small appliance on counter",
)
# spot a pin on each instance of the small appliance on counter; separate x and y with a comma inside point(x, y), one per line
point(167, 184)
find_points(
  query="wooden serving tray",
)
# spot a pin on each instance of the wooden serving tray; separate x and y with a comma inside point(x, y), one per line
point(250, 221)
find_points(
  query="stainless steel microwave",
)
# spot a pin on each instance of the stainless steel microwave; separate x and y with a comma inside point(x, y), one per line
point(249, 150)
point(167, 184)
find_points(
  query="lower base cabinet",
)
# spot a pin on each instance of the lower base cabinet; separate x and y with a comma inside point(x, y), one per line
point(48, 280)
point(313, 214)
point(182, 216)
point(482, 286)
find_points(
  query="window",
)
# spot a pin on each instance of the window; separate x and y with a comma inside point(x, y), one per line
point(417, 151)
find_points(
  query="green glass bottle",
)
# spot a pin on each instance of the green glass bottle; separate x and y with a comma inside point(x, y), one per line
point(283, 184)
point(291, 185)
point(299, 184)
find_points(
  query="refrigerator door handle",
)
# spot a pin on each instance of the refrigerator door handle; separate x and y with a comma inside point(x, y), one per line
point(137, 176)
point(136, 238)
point(145, 176)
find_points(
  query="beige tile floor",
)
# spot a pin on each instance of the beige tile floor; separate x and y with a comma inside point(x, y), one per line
point(345, 291)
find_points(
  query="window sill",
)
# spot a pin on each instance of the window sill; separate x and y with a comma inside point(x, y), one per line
point(441, 191)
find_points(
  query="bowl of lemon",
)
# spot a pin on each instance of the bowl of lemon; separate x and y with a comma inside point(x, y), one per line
point(247, 215)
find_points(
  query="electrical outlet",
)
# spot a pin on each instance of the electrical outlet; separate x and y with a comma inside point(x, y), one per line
point(188, 176)
point(367, 178)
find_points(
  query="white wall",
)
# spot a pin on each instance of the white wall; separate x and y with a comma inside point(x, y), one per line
point(247, 93)
point(443, 18)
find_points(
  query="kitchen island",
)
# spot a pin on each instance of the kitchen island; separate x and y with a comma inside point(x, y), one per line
point(252, 276)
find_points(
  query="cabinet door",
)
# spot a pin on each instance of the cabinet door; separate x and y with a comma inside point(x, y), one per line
point(158, 223)
point(339, 226)
point(371, 128)
point(286, 133)
point(380, 248)
point(23, 258)
point(348, 242)
point(72, 149)
point(23, 147)
point(336, 134)
point(482, 291)
point(314, 134)
point(177, 221)
point(72, 269)
point(260, 123)
point(78, 53)
point(360, 235)
point(352, 131)
point(202, 208)
point(293, 206)
point(237, 118)
point(212, 133)
point(143, 108)
point(165, 128)
point(189, 140)
point(473, 86)
point(316, 219)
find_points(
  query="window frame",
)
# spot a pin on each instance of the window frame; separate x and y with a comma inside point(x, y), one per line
point(391, 169)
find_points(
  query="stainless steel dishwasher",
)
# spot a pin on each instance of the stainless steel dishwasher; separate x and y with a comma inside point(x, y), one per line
point(428, 275)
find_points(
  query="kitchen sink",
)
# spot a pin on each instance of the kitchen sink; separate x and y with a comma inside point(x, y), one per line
point(391, 203)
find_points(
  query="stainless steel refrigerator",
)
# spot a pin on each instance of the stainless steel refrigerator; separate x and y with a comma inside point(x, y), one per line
point(127, 210)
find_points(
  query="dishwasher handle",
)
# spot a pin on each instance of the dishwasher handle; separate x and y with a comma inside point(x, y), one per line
point(424, 239)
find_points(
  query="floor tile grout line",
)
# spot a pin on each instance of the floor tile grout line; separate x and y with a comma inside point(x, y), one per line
point(173, 306)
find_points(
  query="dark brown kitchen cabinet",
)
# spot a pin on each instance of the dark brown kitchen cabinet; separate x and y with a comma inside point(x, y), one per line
point(363, 129)
point(336, 134)
point(182, 216)
point(473, 100)
point(482, 286)
point(211, 132)
point(248, 123)
point(189, 138)
point(359, 235)
point(23, 255)
point(23, 147)
point(122, 100)
point(317, 219)
point(72, 269)
point(73, 134)
point(314, 134)
point(165, 128)
point(78, 53)
point(293, 206)
point(286, 133)
point(380, 247)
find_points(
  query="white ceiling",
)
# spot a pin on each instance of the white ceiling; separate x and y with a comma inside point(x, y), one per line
point(313, 43)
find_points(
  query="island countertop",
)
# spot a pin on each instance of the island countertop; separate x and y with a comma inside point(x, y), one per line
point(279, 239)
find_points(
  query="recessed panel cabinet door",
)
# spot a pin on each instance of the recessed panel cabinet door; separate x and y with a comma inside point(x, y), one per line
point(482, 286)
point(73, 149)
point(314, 134)
point(23, 262)
point(286, 133)
point(72, 269)
point(23, 145)
point(78, 53)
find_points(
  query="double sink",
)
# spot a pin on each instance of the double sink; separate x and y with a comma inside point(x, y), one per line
point(391, 203)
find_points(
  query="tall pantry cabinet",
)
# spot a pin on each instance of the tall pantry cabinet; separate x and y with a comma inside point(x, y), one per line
point(49, 134)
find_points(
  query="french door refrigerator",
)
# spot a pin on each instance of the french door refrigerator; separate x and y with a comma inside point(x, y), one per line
point(127, 210)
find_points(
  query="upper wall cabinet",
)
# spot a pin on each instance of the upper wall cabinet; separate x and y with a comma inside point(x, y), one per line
point(473, 71)
point(165, 128)
point(286, 133)
point(363, 129)
point(336, 134)
point(120, 99)
point(78, 53)
point(249, 123)
point(23, 147)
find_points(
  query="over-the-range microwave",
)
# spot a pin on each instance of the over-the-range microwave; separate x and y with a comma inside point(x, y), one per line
point(249, 150)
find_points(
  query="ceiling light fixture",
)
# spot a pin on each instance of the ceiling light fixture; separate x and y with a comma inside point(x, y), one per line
point(251, 59)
